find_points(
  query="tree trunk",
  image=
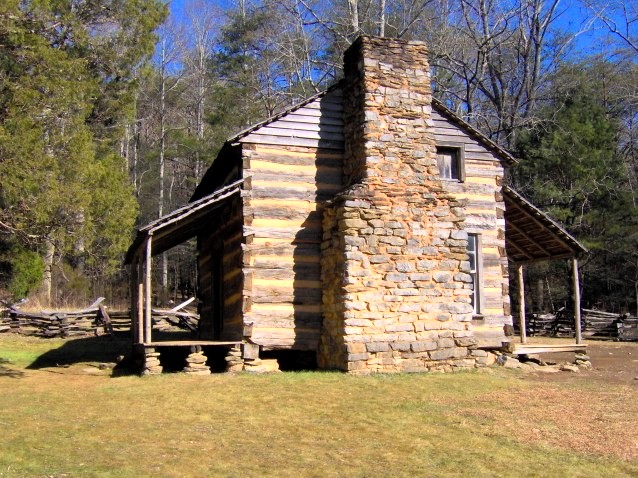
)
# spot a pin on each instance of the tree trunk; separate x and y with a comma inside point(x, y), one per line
point(47, 278)
point(354, 16)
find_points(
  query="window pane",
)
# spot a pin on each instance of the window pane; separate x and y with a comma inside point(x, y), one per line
point(444, 161)
point(454, 169)
point(448, 163)
point(471, 243)
point(472, 253)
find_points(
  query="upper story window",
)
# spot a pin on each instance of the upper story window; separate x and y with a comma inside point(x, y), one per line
point(450, 160)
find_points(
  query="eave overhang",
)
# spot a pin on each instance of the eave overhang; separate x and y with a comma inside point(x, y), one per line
point(182, 224)
point(532, 236)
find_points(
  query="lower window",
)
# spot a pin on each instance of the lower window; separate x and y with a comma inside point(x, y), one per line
point(474, 254)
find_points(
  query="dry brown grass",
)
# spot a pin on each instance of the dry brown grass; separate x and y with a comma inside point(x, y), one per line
point(597, 422)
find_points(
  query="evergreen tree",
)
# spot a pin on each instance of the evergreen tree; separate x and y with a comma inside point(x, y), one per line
point(64, 192)
point(571, 168)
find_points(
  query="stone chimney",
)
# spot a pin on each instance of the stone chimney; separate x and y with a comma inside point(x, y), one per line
point(394, 262)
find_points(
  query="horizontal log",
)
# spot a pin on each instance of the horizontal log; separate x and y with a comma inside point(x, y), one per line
point(307, 170)
point(300, 215)
point(303, 272)
point(321, 193)
point(261, 151)
point(283, 333)
point(309, 221)
point(300, 320)
point(298, 297)
point(322, 179)
point(284, 249)
point(305, 234)
point(274, 262)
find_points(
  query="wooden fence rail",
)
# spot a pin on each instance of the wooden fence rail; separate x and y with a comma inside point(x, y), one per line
point(90, 321)
point(595, 324)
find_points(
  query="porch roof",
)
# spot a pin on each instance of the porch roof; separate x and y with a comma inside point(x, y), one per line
point(531, 235)
point(182, 224)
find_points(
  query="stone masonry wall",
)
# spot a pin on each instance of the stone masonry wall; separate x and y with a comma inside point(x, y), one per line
point(394, 262)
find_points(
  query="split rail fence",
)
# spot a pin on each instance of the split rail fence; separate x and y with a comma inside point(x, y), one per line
point(93, 320)
point(595, 324)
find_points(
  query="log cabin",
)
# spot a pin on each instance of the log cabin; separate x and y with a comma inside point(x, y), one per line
point(369, 225)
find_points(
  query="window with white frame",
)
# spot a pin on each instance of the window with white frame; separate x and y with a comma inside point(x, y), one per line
point(474, 255)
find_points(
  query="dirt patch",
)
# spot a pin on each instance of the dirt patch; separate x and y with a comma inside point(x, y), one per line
point(613, 363)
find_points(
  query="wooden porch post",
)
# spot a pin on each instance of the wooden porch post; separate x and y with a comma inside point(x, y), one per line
point(140, 300)
point(521, 303)
point(147, 287)
point(576, 293)
point(133, 302)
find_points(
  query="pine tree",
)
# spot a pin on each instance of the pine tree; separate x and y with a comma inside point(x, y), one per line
point(572, 168)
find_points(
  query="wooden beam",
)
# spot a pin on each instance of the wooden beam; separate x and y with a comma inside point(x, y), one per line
point(521, 303)
point(530, 239)
point(139, 324)
point(541, 259)
point(518, 248)
point(182, 305)
point(576, 291)
point(192, 343)
point(133, 292)
point(147, 292)
point(543, 226)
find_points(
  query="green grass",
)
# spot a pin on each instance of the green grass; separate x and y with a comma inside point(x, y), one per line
point(22, 351)
point(68, 423)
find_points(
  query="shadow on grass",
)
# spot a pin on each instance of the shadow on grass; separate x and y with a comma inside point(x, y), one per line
point(8, 372)
point(104, 349)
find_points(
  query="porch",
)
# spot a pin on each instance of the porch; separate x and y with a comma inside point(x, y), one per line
point(157, 237)
point(197, 219)
point(532, 236)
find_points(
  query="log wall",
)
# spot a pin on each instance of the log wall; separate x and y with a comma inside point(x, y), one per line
point(293, 164)
point(220, 284)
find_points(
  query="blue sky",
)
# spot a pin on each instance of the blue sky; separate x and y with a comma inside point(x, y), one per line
point(573, 17)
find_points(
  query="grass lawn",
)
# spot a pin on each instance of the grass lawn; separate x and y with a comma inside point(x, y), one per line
point(80, 421)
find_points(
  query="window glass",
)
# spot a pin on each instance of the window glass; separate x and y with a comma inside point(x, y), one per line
point(447, 161)
point(472, 251)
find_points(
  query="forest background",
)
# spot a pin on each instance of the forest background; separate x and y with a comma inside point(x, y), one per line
point(112, 110)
